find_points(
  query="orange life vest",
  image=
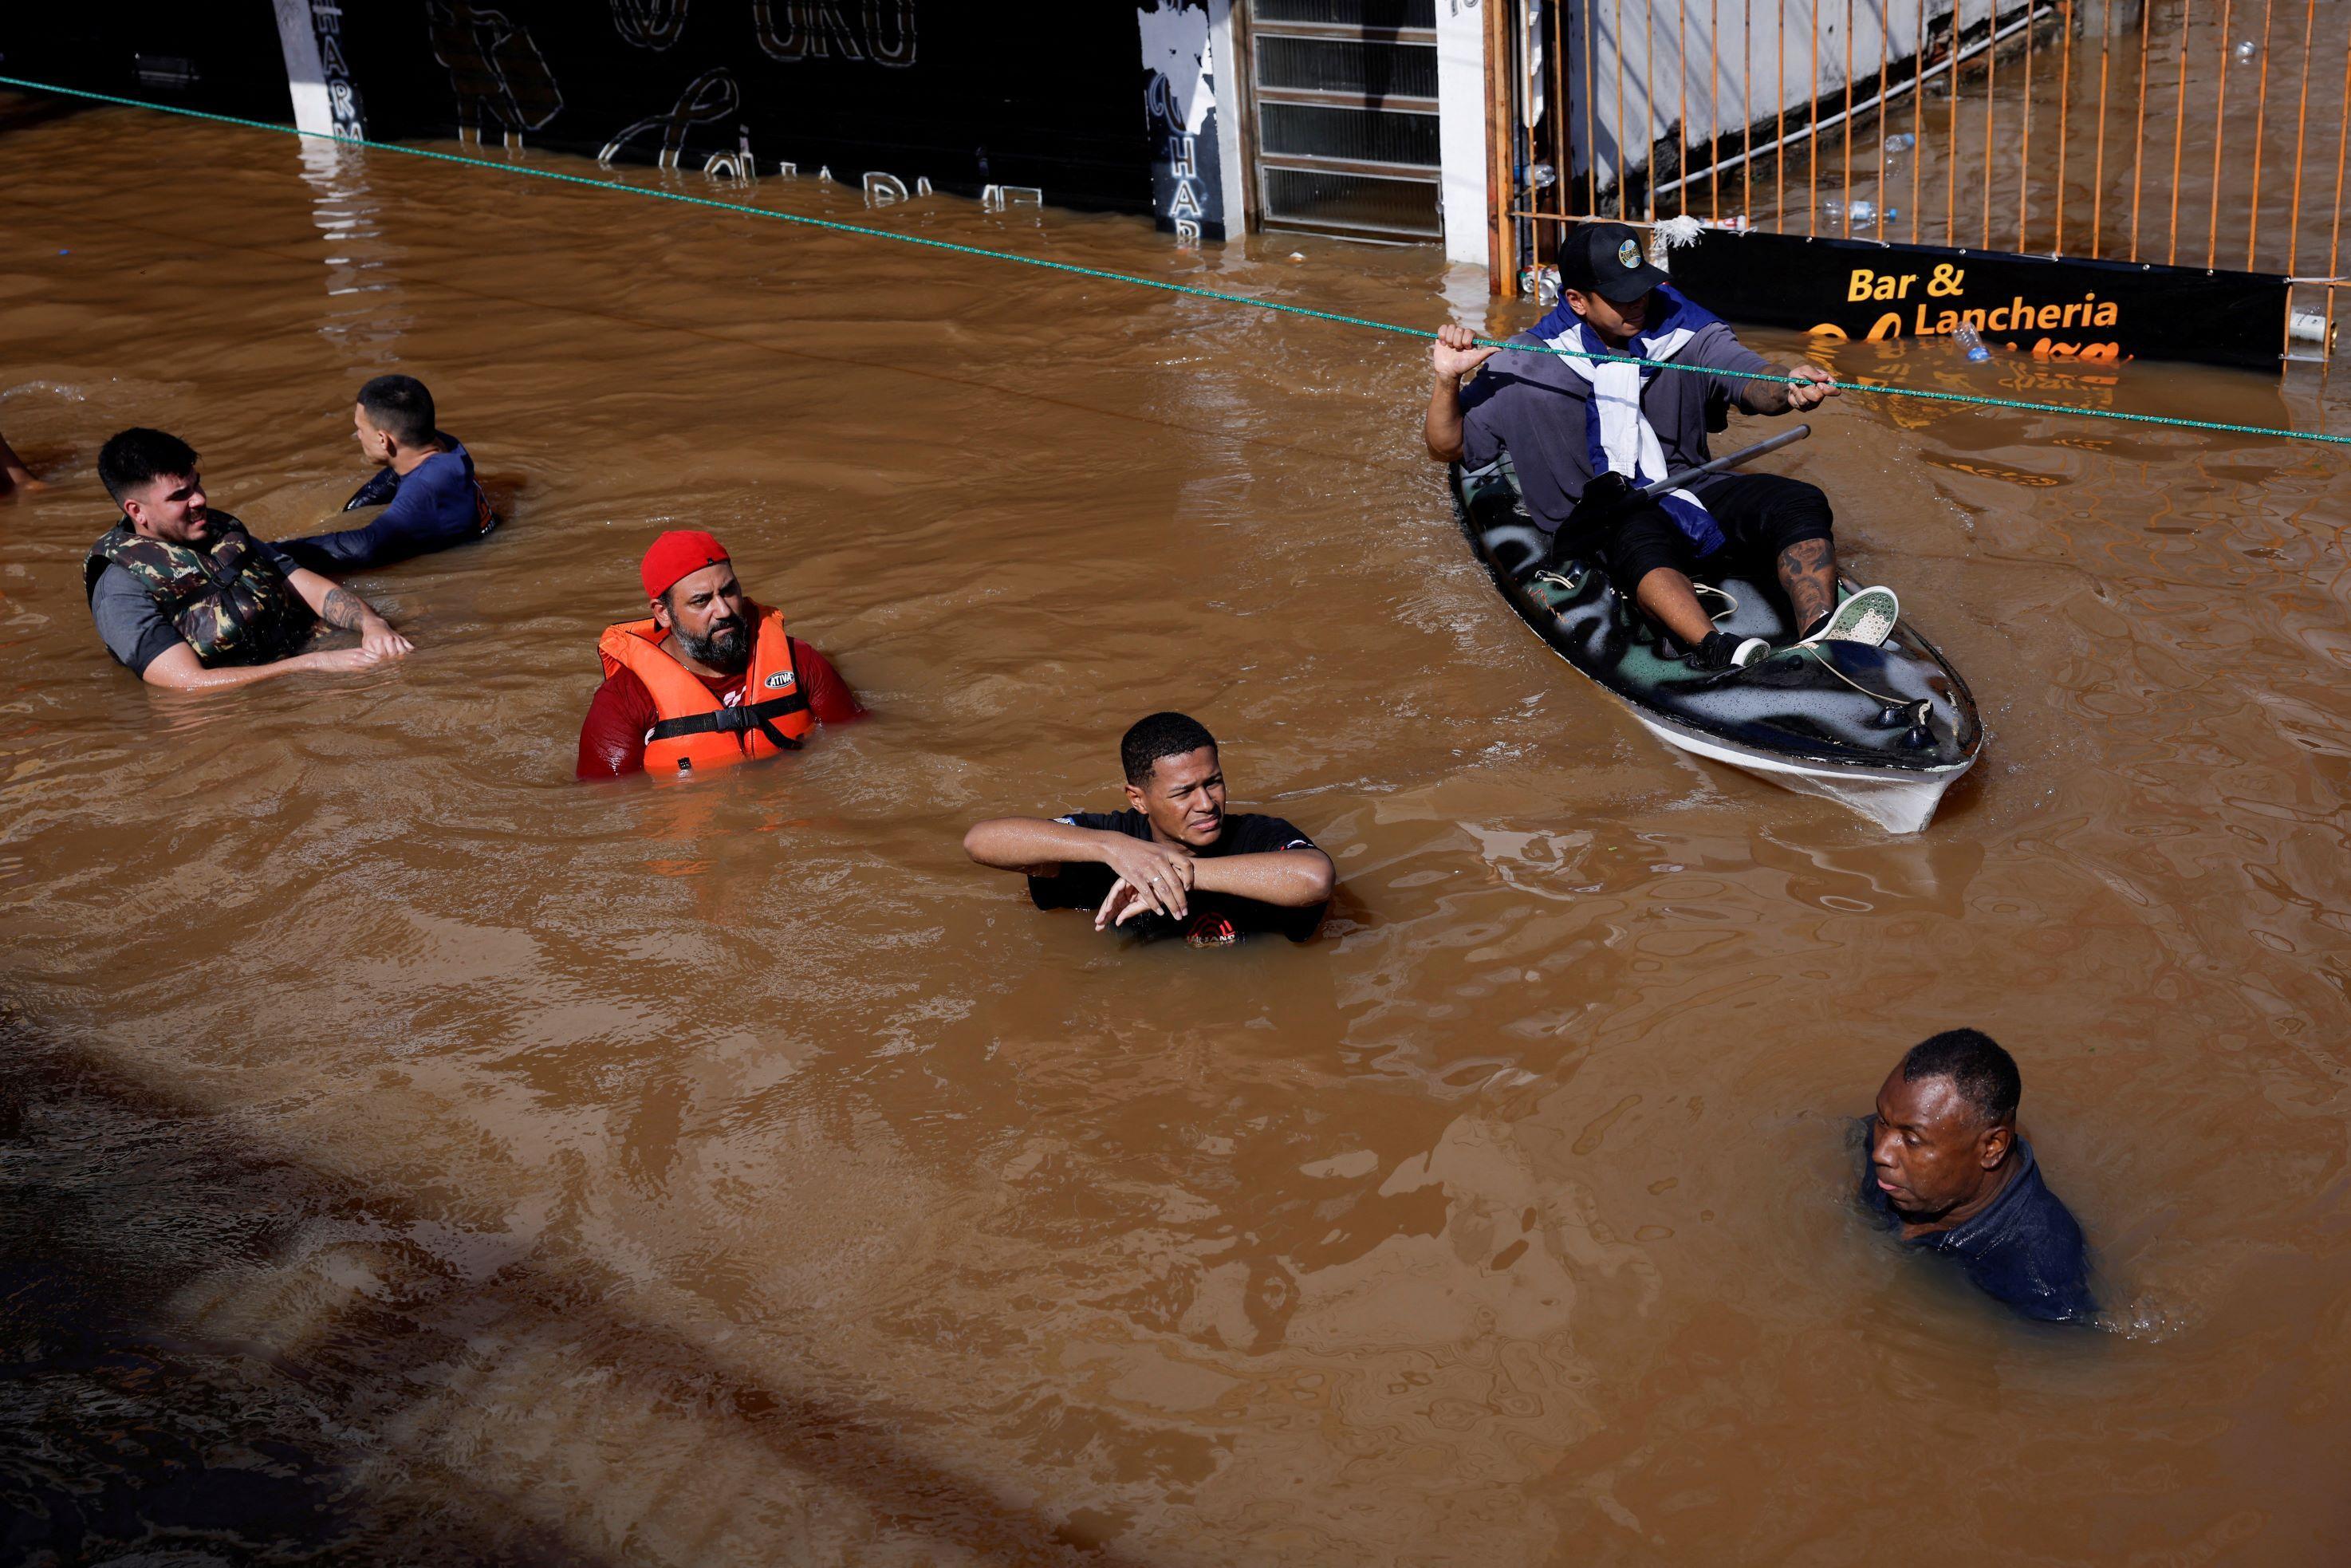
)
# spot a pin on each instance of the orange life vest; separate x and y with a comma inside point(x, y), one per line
point(696, 732)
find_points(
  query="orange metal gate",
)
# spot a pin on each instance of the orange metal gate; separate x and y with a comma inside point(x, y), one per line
point(2209, 133)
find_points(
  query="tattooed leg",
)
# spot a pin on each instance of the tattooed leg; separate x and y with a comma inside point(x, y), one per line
point(1808, 573)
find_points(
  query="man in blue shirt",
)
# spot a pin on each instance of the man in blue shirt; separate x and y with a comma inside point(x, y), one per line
point(426, 486)
point(1947, 1173)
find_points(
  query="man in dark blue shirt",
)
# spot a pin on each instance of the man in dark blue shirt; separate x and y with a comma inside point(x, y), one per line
point(426, 485)
point(1947, 1173)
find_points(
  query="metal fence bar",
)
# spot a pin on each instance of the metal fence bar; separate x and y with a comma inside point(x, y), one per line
point(1746, 86)
point(1714, 106)
point(1951, 141)
point(1991, 83)
point(1844, 190)
point(2025, 142)
point(1501, 145)
point(1649, 105)
point(2219, 114)
point(2334, 235)
point(1813, 147)
point(1884, 46)
point(1562, 165)
point(1780, 130)
point(2064, 107)
point(1591, 134)
point(1681, 80)
point(2098, 161)
point(2300, 121)
point(2139, 137)
point(2179, 134)
point(1621, 170)
point(1918, 116)
point(2261, 124)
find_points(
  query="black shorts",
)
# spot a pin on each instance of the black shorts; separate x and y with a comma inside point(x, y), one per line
point(1759, 515)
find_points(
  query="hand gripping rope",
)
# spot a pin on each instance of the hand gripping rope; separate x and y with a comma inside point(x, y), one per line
point(1881, 388)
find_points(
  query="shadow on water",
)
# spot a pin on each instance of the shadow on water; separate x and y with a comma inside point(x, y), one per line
point(135, 1421)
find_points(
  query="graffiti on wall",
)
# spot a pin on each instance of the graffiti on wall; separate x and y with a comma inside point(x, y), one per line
point(1179, 102)
point(649, 24)
point(342, 93)
point(923, 89)
point(495, 69)
point(712, 96)
point(882, 31)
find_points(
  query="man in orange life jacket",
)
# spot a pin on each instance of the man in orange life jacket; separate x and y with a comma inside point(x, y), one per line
point(710, 679)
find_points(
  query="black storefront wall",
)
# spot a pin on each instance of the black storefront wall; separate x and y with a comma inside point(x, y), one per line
point(2054, 309)
point(964, 95)
point(222, 57)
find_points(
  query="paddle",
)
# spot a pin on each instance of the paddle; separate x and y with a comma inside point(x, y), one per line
point(1581, 523)
point(1747, 454)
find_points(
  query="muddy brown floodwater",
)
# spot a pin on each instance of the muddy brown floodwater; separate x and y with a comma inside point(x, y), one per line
point(501, 1168)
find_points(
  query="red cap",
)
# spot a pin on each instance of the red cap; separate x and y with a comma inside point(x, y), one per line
point(675, 554)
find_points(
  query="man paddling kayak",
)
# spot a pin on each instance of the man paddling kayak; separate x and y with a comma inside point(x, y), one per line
point(1581, 433)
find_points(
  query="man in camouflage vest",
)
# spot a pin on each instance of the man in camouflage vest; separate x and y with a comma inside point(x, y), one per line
point(185, 598)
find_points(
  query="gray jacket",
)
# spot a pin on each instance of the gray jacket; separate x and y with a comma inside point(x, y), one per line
point(1527, 402)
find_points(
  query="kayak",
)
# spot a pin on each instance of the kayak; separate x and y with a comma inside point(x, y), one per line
point(1882, 731)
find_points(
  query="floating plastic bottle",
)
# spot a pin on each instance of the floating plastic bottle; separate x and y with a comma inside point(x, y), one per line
point(1901, 142)
point(1968, 338)
point(1866, 212)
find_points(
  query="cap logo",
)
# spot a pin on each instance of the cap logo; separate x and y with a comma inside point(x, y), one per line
point(1629, 254)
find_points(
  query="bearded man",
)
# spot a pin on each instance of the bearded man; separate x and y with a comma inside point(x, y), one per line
point(708, 680)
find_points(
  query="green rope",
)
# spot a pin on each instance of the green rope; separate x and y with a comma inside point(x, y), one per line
point(1881, 388)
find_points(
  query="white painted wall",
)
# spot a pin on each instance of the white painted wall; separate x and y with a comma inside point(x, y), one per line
point(1461, 124)
point(306, 76)
point(1227, 64)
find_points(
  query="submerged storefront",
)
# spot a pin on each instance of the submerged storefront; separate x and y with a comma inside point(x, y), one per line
point(1488, 126)
point(1213, 116)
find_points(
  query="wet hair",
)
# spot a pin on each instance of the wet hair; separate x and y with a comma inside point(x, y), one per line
point(400, 406)
point(1160, 734)
point(1984, 1074)
point(131, 458)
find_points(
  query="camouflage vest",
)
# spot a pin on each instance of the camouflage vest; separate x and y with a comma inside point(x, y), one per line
point(228, 599)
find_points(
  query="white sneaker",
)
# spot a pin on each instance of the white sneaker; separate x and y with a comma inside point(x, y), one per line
point(1753, 651)
point(1867, 616)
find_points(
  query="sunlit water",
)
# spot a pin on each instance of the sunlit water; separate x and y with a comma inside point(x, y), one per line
point(421, 1151)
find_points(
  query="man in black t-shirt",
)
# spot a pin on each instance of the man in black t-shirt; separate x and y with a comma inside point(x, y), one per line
point(1173, 863)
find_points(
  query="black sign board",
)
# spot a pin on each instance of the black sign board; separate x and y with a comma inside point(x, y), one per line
point(2054, 309)
point(962, 95)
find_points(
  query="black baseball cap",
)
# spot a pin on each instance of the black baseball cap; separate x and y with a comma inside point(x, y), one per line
point(1606, 259)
